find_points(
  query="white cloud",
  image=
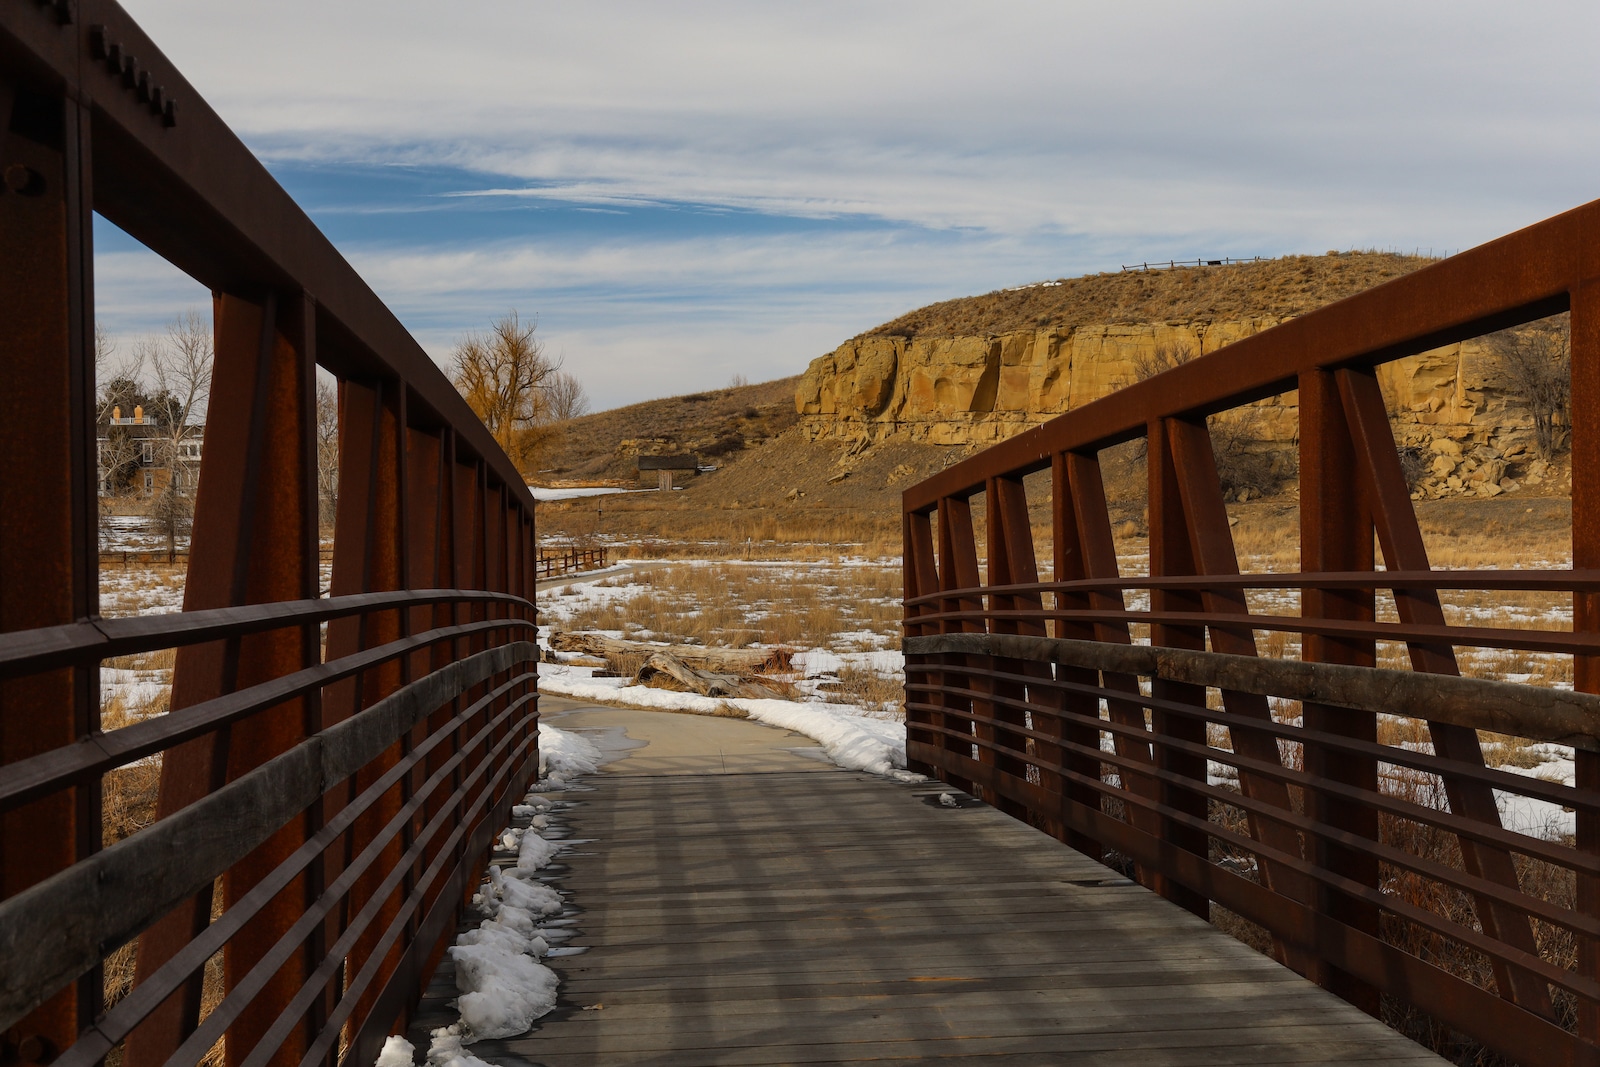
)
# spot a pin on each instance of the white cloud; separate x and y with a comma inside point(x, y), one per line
point(1015, 116)
point(960, 147)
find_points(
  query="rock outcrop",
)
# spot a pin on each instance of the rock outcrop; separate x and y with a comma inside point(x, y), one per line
point(1448, 412)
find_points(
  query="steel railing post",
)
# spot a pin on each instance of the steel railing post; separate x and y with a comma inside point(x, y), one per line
point(49, 555)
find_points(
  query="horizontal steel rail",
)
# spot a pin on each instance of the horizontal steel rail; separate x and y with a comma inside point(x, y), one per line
point(1552, 715)
point(1345, 809)
point(53, 932)
point(345, 731)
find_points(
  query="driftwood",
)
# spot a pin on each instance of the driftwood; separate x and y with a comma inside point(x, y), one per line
point(706, 683)
point(718, 660)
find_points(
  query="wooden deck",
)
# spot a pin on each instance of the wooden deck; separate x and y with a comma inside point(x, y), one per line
point(738, 903)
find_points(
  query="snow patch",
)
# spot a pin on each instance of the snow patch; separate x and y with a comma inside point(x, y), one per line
point(851, 739)
point(563, 755)
point(504, 988)
point(570, 493)
point(397, 1052)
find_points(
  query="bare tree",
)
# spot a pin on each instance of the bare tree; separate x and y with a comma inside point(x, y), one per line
point(515, 388)
point(180, 367)
point(1243, 465)
point(565, 398)
point(105, 346)
point(1534, 364)
point(327, 452)
point(1162, 358)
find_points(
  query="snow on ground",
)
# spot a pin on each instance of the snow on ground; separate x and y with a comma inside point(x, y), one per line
point(124, 533)
point(136, 689)
point(542, 493)
point(1540, 818)
point(851, 737)
point(504, 988)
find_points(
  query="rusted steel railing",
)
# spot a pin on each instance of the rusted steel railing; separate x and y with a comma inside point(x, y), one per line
point(554, 564)
point(1134, 716)
point(332, 769)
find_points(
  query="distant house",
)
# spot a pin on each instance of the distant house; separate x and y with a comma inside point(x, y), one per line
point(133, 454)
point(662, 469)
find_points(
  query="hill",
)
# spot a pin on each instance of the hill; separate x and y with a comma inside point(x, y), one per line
point(826, 454)
point(1269, 288)
point(606, 445)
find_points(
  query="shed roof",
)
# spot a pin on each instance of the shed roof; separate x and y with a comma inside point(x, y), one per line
point(668, 463)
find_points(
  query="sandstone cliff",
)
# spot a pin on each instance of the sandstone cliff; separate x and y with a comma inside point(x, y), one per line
point(977, 389)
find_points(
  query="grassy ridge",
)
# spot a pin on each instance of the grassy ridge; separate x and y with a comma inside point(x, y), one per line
point(1279, 288)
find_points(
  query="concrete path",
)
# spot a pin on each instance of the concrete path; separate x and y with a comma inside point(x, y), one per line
point(658, 742)
point(733, 900)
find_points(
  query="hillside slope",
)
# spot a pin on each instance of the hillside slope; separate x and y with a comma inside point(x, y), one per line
point(606, 445)
point(1269, 288)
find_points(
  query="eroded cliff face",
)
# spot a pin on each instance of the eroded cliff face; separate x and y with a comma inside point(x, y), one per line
point(979, 390)
point(964, 390)
point(961, 390)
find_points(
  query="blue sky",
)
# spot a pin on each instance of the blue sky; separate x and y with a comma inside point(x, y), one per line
point(685, 192)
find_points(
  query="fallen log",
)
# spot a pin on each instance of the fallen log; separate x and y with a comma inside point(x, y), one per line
point(719, 660)
point(705, 683)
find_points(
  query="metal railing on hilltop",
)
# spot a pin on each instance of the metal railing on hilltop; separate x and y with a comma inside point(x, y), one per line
point(1174, 264)
point(1345, 812)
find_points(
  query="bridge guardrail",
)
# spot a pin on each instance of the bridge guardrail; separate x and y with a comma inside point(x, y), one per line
point(1138, 718)
point(332, 769)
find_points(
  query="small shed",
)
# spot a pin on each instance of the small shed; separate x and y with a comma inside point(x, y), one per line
point(664, 467)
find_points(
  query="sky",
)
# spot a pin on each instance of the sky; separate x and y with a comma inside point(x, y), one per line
point(684, 193)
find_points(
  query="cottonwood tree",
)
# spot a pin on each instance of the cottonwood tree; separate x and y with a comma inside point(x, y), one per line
point(1534, 365)
point(512, 384)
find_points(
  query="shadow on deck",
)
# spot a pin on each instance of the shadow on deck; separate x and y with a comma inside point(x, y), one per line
point(740, 902)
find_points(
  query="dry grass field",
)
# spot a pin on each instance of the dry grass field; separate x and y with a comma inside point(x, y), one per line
point(825, 582)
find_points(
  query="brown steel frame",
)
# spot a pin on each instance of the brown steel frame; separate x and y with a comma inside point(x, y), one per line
point(334, 769)
point(1029, 692)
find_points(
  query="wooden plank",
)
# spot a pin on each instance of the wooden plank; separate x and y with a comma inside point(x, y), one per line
point(835, 917)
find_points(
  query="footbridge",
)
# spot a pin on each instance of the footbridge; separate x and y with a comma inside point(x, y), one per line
point(1120, 756)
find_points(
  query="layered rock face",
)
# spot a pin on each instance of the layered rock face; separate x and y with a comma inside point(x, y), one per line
point(979, 390)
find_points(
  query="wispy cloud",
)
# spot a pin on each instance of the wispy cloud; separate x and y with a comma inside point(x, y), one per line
point(781, 176)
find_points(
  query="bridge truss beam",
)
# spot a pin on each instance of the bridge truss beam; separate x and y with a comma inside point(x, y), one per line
point(329, 897)
point(1383, 872)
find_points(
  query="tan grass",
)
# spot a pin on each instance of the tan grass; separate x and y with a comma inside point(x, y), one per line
point(734, 606)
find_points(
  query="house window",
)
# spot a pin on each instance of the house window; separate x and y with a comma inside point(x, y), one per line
point(147, 454)
point(149, 480)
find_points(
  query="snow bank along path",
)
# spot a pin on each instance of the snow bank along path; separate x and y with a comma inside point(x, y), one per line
point(853, 741)
point(504, 988)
